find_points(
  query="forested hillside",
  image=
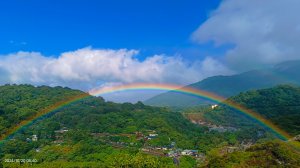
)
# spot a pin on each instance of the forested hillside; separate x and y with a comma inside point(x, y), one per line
point(92, 129)
point(19, 102)
point(92, 132)
point(279, 105)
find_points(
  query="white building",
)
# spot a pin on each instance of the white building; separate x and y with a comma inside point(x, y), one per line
point(34, 138)
point(153, 135)
point(190, 152)
point(214, 106)
point(186, 152)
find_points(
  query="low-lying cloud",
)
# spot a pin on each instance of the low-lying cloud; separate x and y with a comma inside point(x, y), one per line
point(88, 68)
point(262, 32)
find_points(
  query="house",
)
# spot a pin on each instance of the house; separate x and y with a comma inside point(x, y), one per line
point(214, 106)
point(61, 131)
point(172, 154)
point(189, 152)
point(34, 138)
point(165, 148)
point(185, 152)
point(195, 153)
point(151, 136)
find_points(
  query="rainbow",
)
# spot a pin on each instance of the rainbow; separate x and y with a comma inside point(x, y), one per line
point(148, 86)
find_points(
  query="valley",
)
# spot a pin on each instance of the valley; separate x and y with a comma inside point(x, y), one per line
point(94, 132)
point(149, 84)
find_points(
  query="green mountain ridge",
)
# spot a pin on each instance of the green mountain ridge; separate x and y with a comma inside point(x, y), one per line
point(91, 114)
point(279, 104)
point(95, 133)
point(226, 86)
point(92, 131)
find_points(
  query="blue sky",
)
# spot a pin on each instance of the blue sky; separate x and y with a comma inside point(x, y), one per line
point(55, 26)
point(89, 44)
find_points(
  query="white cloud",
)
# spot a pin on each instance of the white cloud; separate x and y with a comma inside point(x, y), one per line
point(263, 32)
point(88, 68)
point(23, 67)
point(125, 96)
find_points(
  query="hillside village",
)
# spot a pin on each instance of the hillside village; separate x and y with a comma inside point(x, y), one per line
point(142, 141)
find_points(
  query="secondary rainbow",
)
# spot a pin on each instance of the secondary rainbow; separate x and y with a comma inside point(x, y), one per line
point(148, 86)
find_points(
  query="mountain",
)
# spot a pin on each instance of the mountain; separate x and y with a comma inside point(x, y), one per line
point(226, 86)
point(279, 104)
point(92, 132)
point(91, 114)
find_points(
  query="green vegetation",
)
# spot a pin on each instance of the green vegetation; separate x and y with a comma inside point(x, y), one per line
point(18, 103)
point(93, 127)
point(270, 154)
point(95, 133)
point(280, 105)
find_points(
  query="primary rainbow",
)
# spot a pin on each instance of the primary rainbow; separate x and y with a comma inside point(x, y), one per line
point(149, 86)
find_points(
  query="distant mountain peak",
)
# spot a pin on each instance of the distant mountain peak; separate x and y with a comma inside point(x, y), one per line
point(287, 64)
point(226, 86)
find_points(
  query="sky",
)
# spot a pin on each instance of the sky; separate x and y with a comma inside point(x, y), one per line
point(55, 26)
point(88, 44)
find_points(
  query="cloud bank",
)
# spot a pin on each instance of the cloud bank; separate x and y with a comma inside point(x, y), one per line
point(88, 68)
point(262, 32)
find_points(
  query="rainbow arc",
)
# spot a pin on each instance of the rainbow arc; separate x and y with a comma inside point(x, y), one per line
point(148, 86)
